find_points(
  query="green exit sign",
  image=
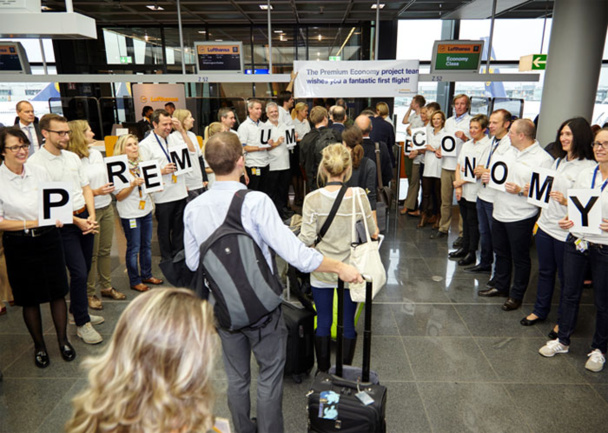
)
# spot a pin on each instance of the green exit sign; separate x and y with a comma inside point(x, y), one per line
point(126, 59)
point(335, 58)
point(533, 62)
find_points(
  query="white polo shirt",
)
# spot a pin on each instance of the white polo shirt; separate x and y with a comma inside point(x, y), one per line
point(566, 174)
point(65, 167)
point(151, 148)
point(302, 128)
point(279, 156)
point(96, 172)
point(432, 164)
point(249, 134)
point(19, 199)
point(511, 207)
point(194, 179)
point(285, 117)
point(416, 122)
point(452, 125)
point(472, 150)
point(485, 193)
point(128, 207)
point(584, 181)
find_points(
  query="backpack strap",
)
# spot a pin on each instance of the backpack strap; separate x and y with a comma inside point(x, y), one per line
point(378, 165)
point(332, 214)
point(233, 217)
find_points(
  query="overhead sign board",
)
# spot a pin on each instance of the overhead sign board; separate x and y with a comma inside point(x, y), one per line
point(219, 57)
point(13, 59)
point(458, 56)
point(533, 62)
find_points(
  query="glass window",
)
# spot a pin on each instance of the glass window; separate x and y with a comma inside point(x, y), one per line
point(415, 38)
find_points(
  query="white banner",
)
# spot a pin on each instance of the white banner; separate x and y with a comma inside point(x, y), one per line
point(55, 203)
point(585, 210)
point(541, 184)
point(356, 79)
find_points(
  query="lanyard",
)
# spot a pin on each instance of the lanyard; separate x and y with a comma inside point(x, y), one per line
point(135, 173)
point(494, 146)
point(163, 149)
point(559, 161)
point(593, 181)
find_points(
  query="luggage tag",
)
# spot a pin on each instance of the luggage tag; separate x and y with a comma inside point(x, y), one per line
point(364, 397)
point(328, 405)
point(133, 223)
point(142, 204)
point(581, 245)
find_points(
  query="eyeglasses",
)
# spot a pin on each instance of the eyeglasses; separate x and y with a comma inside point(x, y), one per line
point(61, 133)
point(16, 149)
point(604, 145)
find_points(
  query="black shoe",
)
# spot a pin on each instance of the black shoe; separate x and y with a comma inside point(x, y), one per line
point(527, 322)
point(491, 283)
point(459, 253)
point(67, 352)
point(511, 304)
point(467, 260)
point(323, 351)
point(458, 242)
point(552, 335)
point(438, 235)
point(490, 293)
point(41, 358)
point(479, 269)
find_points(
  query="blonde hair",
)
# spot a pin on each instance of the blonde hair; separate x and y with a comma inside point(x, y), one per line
point(335, 161)
point(181, 115)
point(299, 107)
point(155, 375)
point(119, 147)
point(78, 142)
point(382, 109)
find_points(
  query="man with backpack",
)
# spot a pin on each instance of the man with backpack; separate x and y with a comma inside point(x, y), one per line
point(314, 142)
point(239, 286)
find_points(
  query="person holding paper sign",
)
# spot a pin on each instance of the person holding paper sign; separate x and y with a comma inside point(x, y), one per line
point(582, 250)
point(513, 217)
point(95, 169)
point(416, 116)
point(458, 127)
point(574, 154)
point(195, 179)
point(431, 177)
point(78, 238)
point(171, 201)
point(279, 174)
point(256, 153)
point(134, 208)
point(466, 186)
point(34, 255)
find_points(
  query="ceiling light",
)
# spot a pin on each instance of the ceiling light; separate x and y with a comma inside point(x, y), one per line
point(202, 32)
point(320, 37)
point(265, 7)
point(375, 6)
point(155, 7)
point(146, 37)
point(278, 31)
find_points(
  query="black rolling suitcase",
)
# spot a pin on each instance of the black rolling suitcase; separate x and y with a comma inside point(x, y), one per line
point(350, 404)
point(300, 322)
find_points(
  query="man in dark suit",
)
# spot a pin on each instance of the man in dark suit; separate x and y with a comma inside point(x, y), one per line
point(364, 123)
point(26, 120)
point(382, 131)
point(338, 116)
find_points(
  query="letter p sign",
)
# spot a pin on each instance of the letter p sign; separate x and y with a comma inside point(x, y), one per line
point(55, 203)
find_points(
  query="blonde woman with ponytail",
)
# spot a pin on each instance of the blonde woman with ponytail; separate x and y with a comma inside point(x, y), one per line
point(156, 374)
point(335, 170)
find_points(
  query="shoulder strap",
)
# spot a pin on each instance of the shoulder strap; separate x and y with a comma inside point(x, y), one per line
point(378, 165)
point(332, 214)
point(233, 217)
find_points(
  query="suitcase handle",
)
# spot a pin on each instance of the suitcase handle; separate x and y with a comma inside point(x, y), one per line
point(367, 333)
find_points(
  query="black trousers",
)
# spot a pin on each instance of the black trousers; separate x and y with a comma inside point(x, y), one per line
point(170, 230)
point(431, 196)
point(258, 178)
point(470, 225)
point(278, 185)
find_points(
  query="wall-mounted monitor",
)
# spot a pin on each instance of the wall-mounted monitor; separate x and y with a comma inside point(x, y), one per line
point(219, 57)
point(456, 56)
point(13, 59)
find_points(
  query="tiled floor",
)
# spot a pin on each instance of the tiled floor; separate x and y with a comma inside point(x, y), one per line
point(452, 362)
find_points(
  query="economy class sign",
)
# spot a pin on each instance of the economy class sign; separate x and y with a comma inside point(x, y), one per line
point(355, 79)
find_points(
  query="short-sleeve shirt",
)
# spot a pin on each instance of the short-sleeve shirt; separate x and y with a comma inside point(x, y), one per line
point(585, 181)
point(279, 156)
point(472, 150)
point(96, 172)
point(452, 125)
point(249, 134)
point(486, 193)
point(19, 194)
point(194, 179)
point(129, 206)
point(432, 164)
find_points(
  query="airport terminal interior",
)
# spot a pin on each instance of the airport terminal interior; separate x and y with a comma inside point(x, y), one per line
point(452, 361)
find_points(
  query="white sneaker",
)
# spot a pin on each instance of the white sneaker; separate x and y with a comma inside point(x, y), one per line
point(95, 320)
point(596, 361)
point(88, 334)
point(552, 348)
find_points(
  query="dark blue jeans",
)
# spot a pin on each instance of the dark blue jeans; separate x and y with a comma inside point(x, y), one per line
point(484, 215)
point(139, 243)
point(512, 248)
point(78, 251)
point(575, 265)
point(324, 303)
point(550, 260)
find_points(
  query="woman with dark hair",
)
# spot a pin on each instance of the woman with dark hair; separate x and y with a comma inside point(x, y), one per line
point(364, 169)
point(586, 250)
point(574, 154)
point(34, 254)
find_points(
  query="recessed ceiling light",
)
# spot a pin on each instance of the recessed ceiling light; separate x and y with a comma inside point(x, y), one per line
point(155, 7)
point(320, 37)
point(375, 6)
point(265, 7)
point(202, 32)
point(278, 31)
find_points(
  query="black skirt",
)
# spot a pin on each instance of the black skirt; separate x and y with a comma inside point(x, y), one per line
point(36, 267)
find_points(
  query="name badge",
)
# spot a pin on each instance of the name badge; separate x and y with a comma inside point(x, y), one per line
point(142, 204)
point(173, 178)
point(133, 224)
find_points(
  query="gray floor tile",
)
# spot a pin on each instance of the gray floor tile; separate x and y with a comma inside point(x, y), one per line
point(490, 321)
point(560, 408)
point(388, 358)
point(470, 407)
point(55, 421)
point(429, 320)
point(383, 322)
point(447, 359)
point(414, 290)
point(404, 408)
point(518, 360)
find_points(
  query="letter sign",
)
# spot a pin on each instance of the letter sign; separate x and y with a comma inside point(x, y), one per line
point(55, 203)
